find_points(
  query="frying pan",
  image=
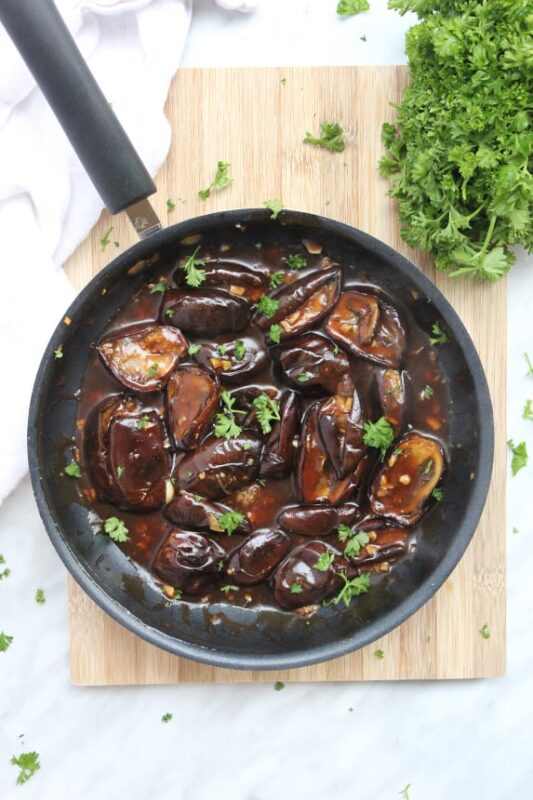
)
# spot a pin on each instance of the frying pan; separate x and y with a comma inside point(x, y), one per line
point(220, 635)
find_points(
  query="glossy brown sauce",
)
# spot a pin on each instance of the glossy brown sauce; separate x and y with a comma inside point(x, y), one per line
point(263, 501)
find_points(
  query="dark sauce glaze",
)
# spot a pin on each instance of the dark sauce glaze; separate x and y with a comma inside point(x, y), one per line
point(264, 500)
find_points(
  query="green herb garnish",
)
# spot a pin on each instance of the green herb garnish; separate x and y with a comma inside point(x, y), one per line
point(378, 434)
point(73, 470)
point(5, 641)
point(220, 181)
point(239, 349)
point(266, 410)
point(275, 333)
point(276, 279)
point(379, 653)
point(166, 717)
point(527, 413)
point(116, 530)
point(358, 540)
point(324, 562)
point(106, 239)
point(171, 205)
point(39, 596)
point(28, 763)
point(344, 532)
point(358, 585)
point(274, 206)
point(348, 8)
point(303, 378)
point(428, 467)
point(195, 276)
point(230, 521)
point(529, 364)
point(228, 587)
point(296, 261)
point(221, 349)
point(193, 349)
point(59, 352)
point(120, 471)
point(279, 685)
point(519, 459)
point(143, 422)
point(405, 792)
point(439, 337)
point(484, 631)
point(169, 312)
point(296, 588)
point(5, 572)
point(225, 425)
point(267, 306)
point(331, 137)
point(153, 370)
point(427, 392)
point(161, 286)
point(437, 494)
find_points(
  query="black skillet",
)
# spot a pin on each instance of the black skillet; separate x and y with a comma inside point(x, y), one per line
point(225, 636)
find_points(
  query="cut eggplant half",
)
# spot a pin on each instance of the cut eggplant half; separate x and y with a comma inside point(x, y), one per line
point(233, 277)
point(385, 544)
point(280, 447)
point(205, 312)
point(312, 363)
point(219, 467)
point(402, 487)
point(233, 361)
point(192, 511)
point(299, 580)
point(391, 392)
point(192, 400)
point(143, 358)
point(258, 556)
point(187, 560)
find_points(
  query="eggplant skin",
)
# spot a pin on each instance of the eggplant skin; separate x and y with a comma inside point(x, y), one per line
point(226, 364)
point(317, 359)
point(219, 467)
point(313, 521)
point(192, 511)
point(278, 454)
point(299, 567)
point(142, 358)
point(187, 560)
point(402, 487)
point(192, 399)
point(255, 559)
point(205, 312)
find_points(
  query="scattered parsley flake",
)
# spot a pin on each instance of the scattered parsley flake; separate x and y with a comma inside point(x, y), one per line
point(296, 588)
point(229, 588)
point(230, 521)
point(427, 392)
point(296, 261)
point(160, 286)
point(344, 532)
point(5, 641)
point(28, 763)
point(379, 434)
point(484, 631)
point(106, 239)
point(275, 333)
point(331, 137)
point(220, 181)
point(515, 529)
point(73, 470)
point(267, 306)
point(239, 348)
point(379, 653)
point(153, 370)
point(529, 364)
point(169, 312)
point(279, 685)
point(59, 352)
point(39, 596)
point(276, 279)
point(325, 560)
point(143, 422)
point(439, 337)
point(221, 349)
point(166, 717)
point(6, 572)
point(274, 206)
point(405, 792)
point(195, 276)
point(527, 413)
point(246, 445)
point(348, 8)
point(428, 467)
point(171, 205)
point(266, 410)
point(193, 349)
point(363, 38)
point(437, 494)
point(519, 460)
point(303, 378)
point(283, 81)
point(116, 530)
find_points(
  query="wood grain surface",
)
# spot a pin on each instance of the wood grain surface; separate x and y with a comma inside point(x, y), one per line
point(256, 122)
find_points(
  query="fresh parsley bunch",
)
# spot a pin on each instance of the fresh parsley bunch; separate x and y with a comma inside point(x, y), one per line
point(460, 150)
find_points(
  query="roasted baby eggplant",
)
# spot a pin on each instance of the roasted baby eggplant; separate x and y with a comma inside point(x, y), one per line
point(368, 327)
point(234, 277)
point(403, 486)
point(308, 575)
point(255, 559)
point(192, 511)
point(391, 392)
point(192, 399)
point(204, 312)
point(220, 466)
point(187, 560)
point(143, 358)
point(385, 544)
point(233, 361)
point(316, 520)
point(280, 447)
point(313, 362)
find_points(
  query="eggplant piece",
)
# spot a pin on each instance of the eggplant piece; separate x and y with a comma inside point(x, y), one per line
point(143, 358)
point(391, 392)
point(258, 556)
point(192, 511)
point(224, 360)
point(206, 312)
point(402, 487)
point(280, 447)
point(299, 569)
point(386, 544)
point(219, 467)
point(312, 362)
point(340, 426)
point(244, 399)
point(126, 453)
point(232, 276)
point(317, 481)
point(368, 327)
point(187, 560)
point(303, 303)
point(192, 400)
point(316, 520)
point(260, 502)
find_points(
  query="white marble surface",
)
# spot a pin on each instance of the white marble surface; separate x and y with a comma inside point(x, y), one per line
point(448, 740)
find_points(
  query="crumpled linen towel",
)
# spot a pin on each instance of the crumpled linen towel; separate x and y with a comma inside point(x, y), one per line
point(47, 203)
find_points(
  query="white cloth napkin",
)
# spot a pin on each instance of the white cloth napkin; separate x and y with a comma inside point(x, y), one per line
point(47, 203)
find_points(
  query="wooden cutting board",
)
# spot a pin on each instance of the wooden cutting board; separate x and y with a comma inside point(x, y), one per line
point(256, 120)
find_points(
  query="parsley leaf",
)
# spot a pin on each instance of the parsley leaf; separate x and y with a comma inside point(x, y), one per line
point(527, 413)
point(275, 333)
point(348, 8)
point(6, 572)
point(378, 434)
point(161, 286)
point(221, 349)
point(266, 410)
point(439, 337)
point(59, 352)
point(220, 181)
point(195, 277)
point(28, 763)
point(73, 470)
point(353, 548)
point(279, 685)
point(276, 279)
point(39, 596)
point(303, 378)
point(171, 205)
point(358, 585)
point(427, 392)
point(405, 792)
point(143, 422)
point(229, 588)
point(274, 206)
point(331, 137)
point(296, 588)
point(193, 349)
point(325, 560)
point(225, 425)
point(437, 494)
point(519, 460)
point(484, 631)
point(106, 239)
point(5, 641)
point(379, 653)
point(239, 349)
point(267, 306)
point(296, 261)
point(344, 532)
point(116, 530)
point(166, 717)
point(230, 521)
point(529, 364)
point(153, 370)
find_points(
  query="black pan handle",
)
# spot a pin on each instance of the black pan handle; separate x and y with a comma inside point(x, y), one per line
point(103, 147)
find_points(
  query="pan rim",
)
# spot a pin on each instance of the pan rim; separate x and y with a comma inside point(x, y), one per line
point(374, 630)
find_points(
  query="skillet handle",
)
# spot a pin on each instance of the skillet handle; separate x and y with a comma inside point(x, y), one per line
point(100, 141)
